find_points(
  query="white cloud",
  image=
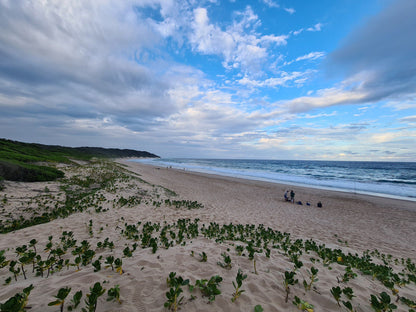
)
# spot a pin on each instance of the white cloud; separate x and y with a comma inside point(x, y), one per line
point(316, 27)
point(210, 39)
point(310, 56)
point(290, 10)
point(297, 32)
point(284, 80)
point(320, 115)
point(271, 3)
point(279, 40)
point(238, 45)
point(324, 98)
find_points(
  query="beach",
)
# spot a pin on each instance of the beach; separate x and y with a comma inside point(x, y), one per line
point(346, 222)
point(366, 222)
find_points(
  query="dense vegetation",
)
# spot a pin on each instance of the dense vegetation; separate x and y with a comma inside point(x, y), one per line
point(21, 161)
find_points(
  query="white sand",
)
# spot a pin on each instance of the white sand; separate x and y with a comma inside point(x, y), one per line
point(351, 222)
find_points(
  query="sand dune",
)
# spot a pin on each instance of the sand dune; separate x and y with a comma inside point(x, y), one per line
point(348, 222)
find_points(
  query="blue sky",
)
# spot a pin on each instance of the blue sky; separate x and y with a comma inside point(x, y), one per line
point(300, 79)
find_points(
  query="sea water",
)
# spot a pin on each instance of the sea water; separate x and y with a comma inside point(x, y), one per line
point(387, 179)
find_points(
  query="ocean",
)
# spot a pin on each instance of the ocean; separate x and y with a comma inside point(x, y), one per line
point(386, 179)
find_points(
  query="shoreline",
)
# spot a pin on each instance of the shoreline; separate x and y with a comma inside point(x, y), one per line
point(366, 222)
point(282, 182)
point(407, 202)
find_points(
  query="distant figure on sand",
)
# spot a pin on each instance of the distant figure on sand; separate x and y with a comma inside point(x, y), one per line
point(292, 196)
point(287, 195)
point(319, 205)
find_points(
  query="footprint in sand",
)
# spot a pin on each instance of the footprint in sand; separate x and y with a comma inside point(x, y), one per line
point(148, 264)
point(145, 291)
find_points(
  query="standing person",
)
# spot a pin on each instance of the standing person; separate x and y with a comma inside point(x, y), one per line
point(292, 196)
point(287, 195)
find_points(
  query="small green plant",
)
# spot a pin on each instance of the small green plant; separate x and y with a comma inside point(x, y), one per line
point(209, 288)
point(97, 265)
point(75, 301)
point(349, 274)
point(203, 256)
point(382, 303)
point(289, 279)
point(239, 249)
point(302, 305)
point(18, 302)
point(239, 280)
point(297, 263)
point(127, 252)
point(348, 305)
point(336, 293)
point(174, 299)
point(33, 243)
point(258, 308)
point(118, 265)
point(227, 262)
point(13, 269)
point(90, 231)
point(60, 298)
point(347, 291)
point(173, 295)
point(3, 261)
point(92, 298)
point(109, 261)
point(312, 275)
point(114, 294)
point(408, 302)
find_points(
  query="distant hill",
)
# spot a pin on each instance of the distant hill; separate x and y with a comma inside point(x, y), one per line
point(20, 161)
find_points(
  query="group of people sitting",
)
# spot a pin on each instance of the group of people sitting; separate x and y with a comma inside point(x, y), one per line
point(290, 196)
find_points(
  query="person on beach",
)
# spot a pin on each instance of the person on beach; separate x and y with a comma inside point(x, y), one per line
point(287, 195)
point(292, 196)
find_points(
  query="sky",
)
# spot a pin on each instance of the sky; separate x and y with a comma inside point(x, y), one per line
point(262, 79)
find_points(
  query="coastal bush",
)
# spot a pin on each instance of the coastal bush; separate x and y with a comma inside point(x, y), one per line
point(14, 171)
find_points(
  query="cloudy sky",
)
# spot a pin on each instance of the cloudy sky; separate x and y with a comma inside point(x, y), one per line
point(277, 79)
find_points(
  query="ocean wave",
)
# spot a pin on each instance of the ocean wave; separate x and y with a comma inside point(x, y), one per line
point(373, 178)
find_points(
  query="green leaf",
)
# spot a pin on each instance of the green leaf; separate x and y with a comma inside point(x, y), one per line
point(258, 308)
point(54, 303)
